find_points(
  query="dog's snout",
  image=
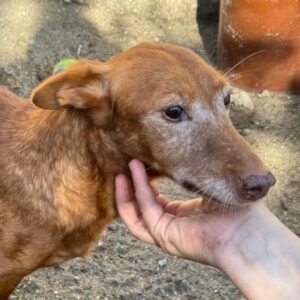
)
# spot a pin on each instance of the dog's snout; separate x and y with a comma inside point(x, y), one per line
point(257, 186)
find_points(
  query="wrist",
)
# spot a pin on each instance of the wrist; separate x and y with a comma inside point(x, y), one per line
point(261, 256)
point(241, 230)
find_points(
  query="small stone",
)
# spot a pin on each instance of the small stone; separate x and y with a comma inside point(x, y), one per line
point(162, 262)
point(67, 1)
point(246, 132)
point(265, 94)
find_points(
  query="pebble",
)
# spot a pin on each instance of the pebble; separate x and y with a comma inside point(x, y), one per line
point(265, 94)
point(246, 132)
point(162, 262)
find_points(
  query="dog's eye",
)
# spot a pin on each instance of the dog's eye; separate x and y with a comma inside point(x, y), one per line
point(174, 113)
point(227, 100)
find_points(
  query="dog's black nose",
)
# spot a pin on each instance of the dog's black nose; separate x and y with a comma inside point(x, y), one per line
point(257, 186)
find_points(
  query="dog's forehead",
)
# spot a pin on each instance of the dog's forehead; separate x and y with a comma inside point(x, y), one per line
point(151, 71)
point(199, 79)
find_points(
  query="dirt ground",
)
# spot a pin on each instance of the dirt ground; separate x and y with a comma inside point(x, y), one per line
point(36, 34)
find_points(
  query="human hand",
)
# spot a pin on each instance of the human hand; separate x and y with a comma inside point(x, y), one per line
point(193, 229)
point(248, 243)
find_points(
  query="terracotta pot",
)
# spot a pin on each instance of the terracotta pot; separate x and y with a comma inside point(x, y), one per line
point(259, 44)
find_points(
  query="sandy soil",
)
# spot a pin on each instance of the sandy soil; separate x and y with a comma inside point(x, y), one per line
point(35, 34)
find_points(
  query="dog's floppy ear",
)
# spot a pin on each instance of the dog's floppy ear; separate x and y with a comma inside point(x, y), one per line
point(82, 86)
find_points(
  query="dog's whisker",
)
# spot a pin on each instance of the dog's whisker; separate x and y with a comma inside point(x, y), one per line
point(243, 60)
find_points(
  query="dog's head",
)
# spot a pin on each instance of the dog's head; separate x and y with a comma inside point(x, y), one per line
point(163, 105)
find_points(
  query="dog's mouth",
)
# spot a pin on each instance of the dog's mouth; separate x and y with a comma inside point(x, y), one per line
point(153, 173)
point(195, 190)
point(189, 186)
point(209, 197)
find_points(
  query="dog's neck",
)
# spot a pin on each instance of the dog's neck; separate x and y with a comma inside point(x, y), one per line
point(50, 134)
point(59, 157)
point(67, 133)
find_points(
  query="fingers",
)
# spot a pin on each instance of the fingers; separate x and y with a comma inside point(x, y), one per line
point(154, 188)
point(151, 209)
point(129, 210)
point(159, 223)
point(190, 208)
point(162, 200)
point(196, 207)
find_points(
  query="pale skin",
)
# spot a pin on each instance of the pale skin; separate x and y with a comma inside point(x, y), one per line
point(249, 244)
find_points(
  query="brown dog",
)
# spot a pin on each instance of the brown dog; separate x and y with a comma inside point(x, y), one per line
point(60, 152)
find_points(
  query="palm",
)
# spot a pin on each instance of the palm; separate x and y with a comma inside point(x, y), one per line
point(182, 228)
